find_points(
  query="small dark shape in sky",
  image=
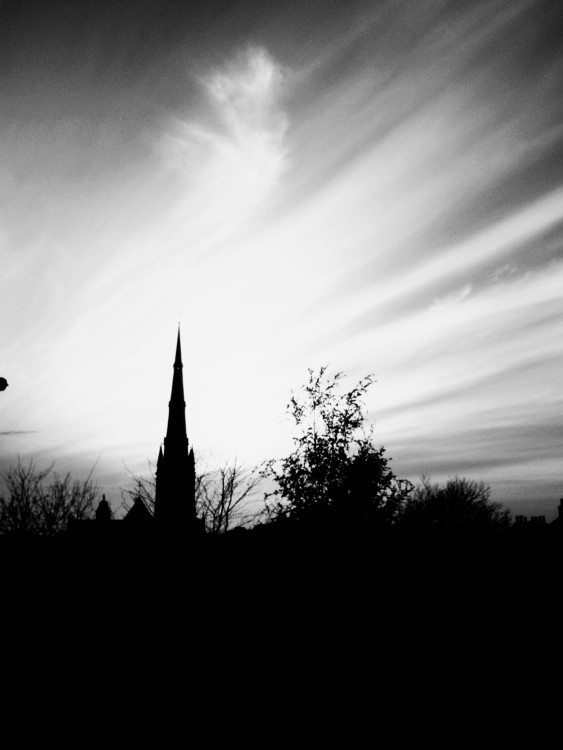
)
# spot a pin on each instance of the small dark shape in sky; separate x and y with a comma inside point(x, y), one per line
point(3, 384)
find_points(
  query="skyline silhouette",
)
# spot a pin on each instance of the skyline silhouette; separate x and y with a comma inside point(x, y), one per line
point(374, 186)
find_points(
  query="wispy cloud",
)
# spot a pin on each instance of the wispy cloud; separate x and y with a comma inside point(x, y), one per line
point(19, 432)
point(236, 154)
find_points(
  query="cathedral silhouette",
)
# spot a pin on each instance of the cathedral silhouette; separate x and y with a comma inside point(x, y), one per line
point(174, 502)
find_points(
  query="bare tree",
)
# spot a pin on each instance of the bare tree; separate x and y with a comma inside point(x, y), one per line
point(33, 507)
point(224, 497)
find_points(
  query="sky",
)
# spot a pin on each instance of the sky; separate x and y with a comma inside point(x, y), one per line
point(372, 186)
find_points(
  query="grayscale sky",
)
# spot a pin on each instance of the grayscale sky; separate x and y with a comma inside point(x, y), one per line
point(375, 186)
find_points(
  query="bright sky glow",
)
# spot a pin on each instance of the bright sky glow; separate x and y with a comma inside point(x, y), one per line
point(377, 187)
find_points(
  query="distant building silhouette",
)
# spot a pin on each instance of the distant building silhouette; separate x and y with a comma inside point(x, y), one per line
point(532, 520)
point(175, 468)
point(138, 513)
point(103, 511)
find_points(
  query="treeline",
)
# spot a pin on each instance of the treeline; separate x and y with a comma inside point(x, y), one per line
point(336, 480)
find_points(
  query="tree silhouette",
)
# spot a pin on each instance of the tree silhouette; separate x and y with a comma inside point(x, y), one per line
point(335, 474)
point(31, 507)
point(223, 497)
point(460, 505)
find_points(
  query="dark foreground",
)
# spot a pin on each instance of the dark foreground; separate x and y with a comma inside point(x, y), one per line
point(261, 572)
point(262, 632)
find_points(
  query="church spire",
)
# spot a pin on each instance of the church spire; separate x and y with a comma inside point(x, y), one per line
point(175, 480)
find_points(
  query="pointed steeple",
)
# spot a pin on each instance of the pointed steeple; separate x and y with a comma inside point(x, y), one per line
point(176, 435)
point(178, 360)
point(177, 395)
point(175, 477)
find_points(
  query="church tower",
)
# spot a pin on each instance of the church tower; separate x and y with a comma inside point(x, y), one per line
point(175, 468)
